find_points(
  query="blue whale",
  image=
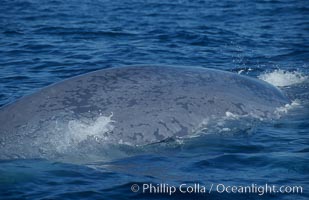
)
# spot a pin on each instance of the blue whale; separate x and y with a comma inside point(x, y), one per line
point(131, 105)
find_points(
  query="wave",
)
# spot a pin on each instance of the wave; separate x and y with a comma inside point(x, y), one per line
point(59, 30)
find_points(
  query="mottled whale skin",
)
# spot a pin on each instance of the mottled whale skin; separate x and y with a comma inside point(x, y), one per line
point(144, 104)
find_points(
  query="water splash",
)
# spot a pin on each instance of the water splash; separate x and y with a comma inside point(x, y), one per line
point(282, 78)
point(79, 131)
point(287, 107)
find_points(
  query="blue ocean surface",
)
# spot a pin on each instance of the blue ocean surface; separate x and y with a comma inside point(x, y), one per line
point(43, 42)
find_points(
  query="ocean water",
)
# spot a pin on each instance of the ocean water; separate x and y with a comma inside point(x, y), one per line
point(43, 42)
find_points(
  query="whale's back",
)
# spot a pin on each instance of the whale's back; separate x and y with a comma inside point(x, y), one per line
point(137, 105)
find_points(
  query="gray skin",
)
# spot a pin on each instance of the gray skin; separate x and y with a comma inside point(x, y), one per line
point(148, 104)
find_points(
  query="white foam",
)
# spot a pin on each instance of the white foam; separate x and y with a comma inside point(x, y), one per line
point(283, 78)
point(229, 123)
point(246, 70)
point(241, 71)
point(78, 131)
point(230, 115)
point(287, 107)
